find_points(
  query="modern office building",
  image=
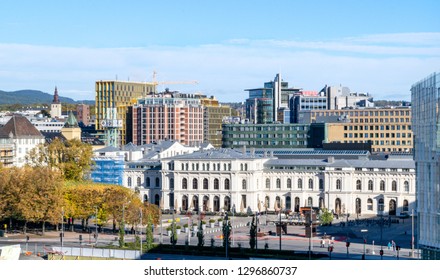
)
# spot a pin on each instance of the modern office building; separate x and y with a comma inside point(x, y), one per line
point(168, 116)
point(213, 115)
point(266, 135)
point(388, 129)
point(426, 126)
point(112, 100)
point(270, 103)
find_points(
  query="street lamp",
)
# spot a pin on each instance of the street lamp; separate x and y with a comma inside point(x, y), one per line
point(96, 225)
point(365, 241)
point(140, 230)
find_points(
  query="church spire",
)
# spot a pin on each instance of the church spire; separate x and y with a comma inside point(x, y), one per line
point(55, 96)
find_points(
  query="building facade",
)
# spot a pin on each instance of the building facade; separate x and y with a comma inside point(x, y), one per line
point(266, 135)
point(213, 115)
point(217, 180)
point(426, 126)
point(112, 99)
point(387, 129)
point(83, 114)
point(169, 116)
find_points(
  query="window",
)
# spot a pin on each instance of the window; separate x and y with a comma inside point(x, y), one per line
point(370, 185)
point(289, 183)
point(311, 184)
point(184, 184)
point(267, 183)
point(195, 184)
point(171, 183)
point(205, 184)
point(157, 182)
point(321, 184)
point(382, 185)
point(370, 204)
point(148, 183)
point(216, 184)
point(406, 186)
point(243, 184)
point(278, 183)
point(129, 181)
point(380, 205)
point(310, 201)
point(139, 181)
point(338, 184)
point(358, 185)
point(405, 206)
point(227, 186)
point(300, 183)
point(394, 186)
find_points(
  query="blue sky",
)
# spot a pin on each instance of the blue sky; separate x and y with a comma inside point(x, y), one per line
point(380, 47)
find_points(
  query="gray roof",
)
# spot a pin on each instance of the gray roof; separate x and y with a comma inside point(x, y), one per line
point(217, 154)
point(108, 149)
point(131, 147)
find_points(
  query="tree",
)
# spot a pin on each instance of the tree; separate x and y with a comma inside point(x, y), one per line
point(200, 236)
point(326, 217)
point(253, 234)
point(72, 158)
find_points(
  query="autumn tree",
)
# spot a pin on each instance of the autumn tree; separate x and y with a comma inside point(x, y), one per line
point(72, 158)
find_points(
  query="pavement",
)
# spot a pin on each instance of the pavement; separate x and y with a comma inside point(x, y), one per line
point(355, 231)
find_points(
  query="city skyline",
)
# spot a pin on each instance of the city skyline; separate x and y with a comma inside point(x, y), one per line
point(374, 47)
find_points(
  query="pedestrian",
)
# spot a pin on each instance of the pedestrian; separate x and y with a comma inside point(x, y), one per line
point(322, 243)
point(393, 244)
point(389, 245)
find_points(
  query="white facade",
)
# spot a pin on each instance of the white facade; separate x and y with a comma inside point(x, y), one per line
point(216, 180)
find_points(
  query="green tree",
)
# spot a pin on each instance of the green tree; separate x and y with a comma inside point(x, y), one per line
point(326, 217)
point(253, 234)
point(72, 158)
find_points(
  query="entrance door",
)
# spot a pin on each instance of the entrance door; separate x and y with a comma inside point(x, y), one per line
point(392, 207)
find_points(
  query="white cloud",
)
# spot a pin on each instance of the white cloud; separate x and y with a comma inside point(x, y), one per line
point(384, 65)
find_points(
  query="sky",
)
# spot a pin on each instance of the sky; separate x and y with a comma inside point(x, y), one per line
point(376, 47)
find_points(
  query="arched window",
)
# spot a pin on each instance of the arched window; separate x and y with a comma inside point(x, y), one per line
point(183, 166)
point(205, 184)
point(289, 183)
point(184, 184)
point(310, 201)
point(370, 185)
point(382, 185)
point(195, 184)
point(300, 183)
point(171, 183)
point(227, 185)
point(245, 167)
point(207, 166)
point(157, 182)
point(358, 185)
point(311, 184)
point(145, 198)
point(216, 184)
point(203, 166)
point(394, 186)
point(338, 184)
point(278, 183)
point(267, 183)
point(241, 166)
point(405, 206)
point(224, 166)
point(129, 181)
point(139, 181)
point(406, 186)
point(243, 184)
point(321, 184)
point(380, 205)
point(148, 182)
point(369, 204)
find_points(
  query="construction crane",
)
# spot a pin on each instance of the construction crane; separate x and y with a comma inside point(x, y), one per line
point(156, 83)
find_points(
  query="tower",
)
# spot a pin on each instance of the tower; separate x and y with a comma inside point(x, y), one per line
point(55, 106)
point(71, 130)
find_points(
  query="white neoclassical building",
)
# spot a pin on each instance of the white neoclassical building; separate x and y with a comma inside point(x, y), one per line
point(345, 182)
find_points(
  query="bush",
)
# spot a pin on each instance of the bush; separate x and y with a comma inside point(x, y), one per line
point(178, 227)
point(211, 221)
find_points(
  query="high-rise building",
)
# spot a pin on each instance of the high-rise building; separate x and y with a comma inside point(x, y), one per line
point(425, 104)
point(55, 106)
point(213, 114)
point(112, 101)
point(270, 103)
point(168, 116)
